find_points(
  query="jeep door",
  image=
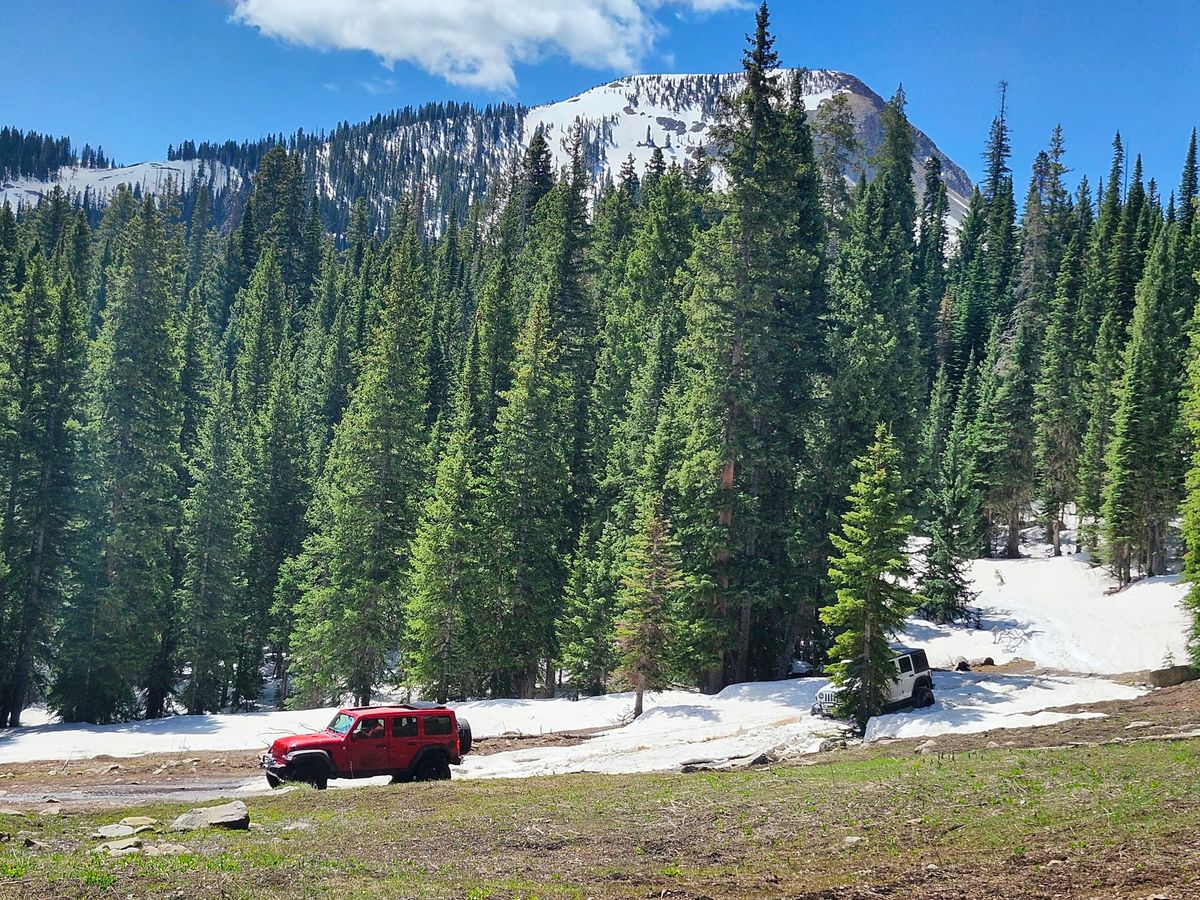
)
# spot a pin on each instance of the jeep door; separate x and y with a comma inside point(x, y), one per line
point(905, 677)
point(368, 746)
point(405, 741)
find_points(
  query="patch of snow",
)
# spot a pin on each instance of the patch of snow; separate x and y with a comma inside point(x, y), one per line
point(1057, 613)
point(680, 728)
point(969, 702)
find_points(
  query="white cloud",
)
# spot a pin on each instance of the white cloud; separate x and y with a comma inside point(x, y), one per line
point(474, 42)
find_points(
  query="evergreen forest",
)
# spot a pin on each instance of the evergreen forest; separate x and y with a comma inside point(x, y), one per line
point(680, 430)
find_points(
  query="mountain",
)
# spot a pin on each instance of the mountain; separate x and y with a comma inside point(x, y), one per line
point(450, 154)
point(94, 185)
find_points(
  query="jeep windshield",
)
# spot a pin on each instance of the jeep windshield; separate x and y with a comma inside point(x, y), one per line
point(341, 723)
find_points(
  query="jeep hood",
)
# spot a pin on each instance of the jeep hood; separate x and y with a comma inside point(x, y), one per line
point(322, 741)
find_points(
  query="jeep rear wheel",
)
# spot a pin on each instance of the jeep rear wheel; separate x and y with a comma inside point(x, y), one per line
point(432, 768)
point(922, 697)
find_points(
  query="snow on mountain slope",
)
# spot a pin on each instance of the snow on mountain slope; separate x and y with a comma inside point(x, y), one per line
point(1058, 613)
point(675, 113)
point(457, 151)
point(98, 185)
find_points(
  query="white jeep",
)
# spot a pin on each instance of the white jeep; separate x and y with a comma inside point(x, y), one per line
point(913, 684)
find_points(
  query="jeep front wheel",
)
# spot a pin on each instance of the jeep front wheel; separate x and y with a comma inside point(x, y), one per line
point(315, 778)
point(273, 780)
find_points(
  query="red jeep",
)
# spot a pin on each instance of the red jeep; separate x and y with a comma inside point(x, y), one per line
point(410, 742)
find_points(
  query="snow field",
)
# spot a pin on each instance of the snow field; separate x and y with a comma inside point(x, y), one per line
point(1055, 612)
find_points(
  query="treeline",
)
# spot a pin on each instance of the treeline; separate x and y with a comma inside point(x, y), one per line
point(27, 154)
point(594, 440)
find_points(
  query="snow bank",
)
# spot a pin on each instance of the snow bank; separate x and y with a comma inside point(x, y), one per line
point(969, 702)
point(234, 731)
point(1056, 613)
point(678, 729)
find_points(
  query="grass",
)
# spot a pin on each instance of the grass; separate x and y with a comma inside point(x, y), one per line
point(1114, 820)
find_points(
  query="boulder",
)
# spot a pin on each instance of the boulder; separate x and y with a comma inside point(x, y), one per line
point(228, 815)
point(9, 811)
point(113, 831)
point(139, 821)
point(124, 847)
point(166, 850)
point(1173, 675)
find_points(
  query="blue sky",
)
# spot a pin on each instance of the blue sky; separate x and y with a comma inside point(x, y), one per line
point(135, 75)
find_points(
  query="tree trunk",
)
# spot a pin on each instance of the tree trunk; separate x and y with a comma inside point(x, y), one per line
point(637, 699)
point(1012, 547)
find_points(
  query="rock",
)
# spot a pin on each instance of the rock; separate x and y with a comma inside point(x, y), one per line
point(298, 826)
point(51, 800)
point(139, 821)
point(159, 770)
point(992, 745)
point(125, 847)
point(1132, 725)
point(219, 761)
point(926, 748)
point(831, 744)
point(962, 665)
point(108, 770)
point(228, 815)
point(932, 867)
point(9, 811)
point(113, 831)
point(166, 850)
point(34, 845)
point(852, 839)
point(912, 822)
point(1173, 675)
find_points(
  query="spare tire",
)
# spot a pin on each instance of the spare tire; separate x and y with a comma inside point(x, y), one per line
point(464, 737)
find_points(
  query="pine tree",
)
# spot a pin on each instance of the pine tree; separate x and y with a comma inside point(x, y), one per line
point(647, 603)
point(277, 491)
point(442, 618)
point(523, 498)
point(123, 635)
point(1139, 490)
point(953, 506)
point(869, 572)
point(1006, 429)
point(1057, 417)
point(47, 344)
point(755, 299)
point(214, 546)
point(350, 618)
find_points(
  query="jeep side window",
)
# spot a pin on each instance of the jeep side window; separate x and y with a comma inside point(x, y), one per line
point(920, 661)
point(905, 665)
point(369, 728)
point(437, 725)
point(404, 726)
